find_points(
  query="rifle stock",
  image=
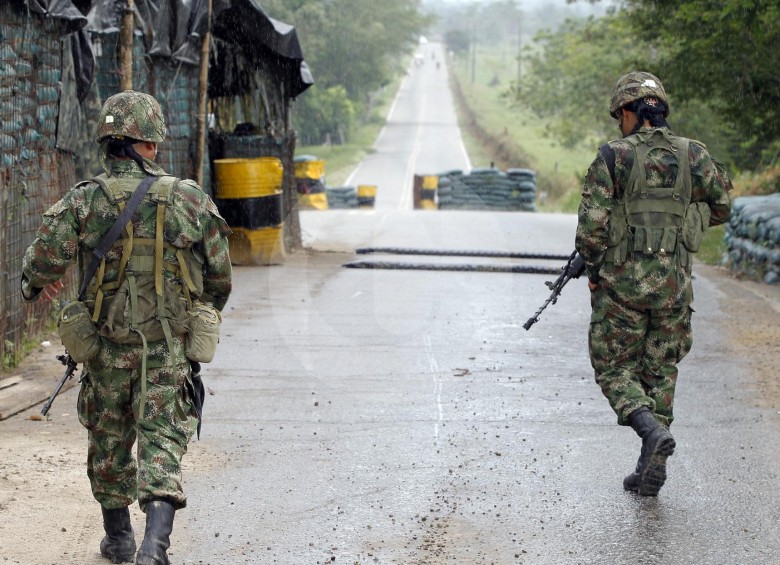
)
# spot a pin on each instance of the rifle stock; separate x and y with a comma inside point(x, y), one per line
point(574, 269)
point(70, 368)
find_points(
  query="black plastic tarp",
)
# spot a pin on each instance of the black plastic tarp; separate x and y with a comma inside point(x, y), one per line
point(262, 40)
point(64, 10)
point(171, 28)
point(174, 28)
point(73, 22)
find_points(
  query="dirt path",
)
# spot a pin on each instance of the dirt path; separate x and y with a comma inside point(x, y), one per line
point(754, 331)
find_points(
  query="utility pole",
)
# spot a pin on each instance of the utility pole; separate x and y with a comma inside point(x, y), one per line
point(473, 49)
point(519, 49)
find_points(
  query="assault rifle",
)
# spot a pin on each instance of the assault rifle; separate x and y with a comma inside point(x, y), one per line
point(573, 270)
point(70, 368)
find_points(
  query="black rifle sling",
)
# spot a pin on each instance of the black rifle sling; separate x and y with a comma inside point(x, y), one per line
point(108, 240)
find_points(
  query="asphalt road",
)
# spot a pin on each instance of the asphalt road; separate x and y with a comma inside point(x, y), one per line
point(398, 416)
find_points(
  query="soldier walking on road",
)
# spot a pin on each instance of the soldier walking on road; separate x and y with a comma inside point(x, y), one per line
point(148, 311)
point(646, 201)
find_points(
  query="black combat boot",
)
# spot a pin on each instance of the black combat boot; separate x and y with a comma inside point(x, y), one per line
point(119, 543)
point(657, 445)
point(159, 525)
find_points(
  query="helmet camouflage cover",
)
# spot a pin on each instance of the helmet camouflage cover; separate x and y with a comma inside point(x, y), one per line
point(635, 86)
point(131, 114)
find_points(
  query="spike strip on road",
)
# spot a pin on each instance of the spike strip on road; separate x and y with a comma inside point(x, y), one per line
point(452, 267)
point(458, 253)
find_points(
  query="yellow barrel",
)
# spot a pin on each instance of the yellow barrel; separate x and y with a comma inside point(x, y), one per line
point(430, 182)
point(310, 169)
point(427, 204)
point(248, 178)
point(263, 246)
point(366, 195)
point(313, 201)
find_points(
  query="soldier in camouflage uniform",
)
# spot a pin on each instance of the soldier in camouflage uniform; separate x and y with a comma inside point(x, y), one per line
point(135, 391)
point(646, 201)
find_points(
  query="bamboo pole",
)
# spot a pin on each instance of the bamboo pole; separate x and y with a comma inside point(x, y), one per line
point(203, 92)
point(126, 49)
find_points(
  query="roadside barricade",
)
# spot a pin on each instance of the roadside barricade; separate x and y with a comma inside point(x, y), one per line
point(249, 197)
point(753, 237)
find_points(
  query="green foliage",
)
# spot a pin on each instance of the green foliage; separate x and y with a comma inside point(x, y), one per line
point(354, 44)
point(323, 113)
point(570, 77)
point(713, 246)
point(722, 52)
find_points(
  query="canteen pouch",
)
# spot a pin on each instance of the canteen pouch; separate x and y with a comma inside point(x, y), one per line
point(203, 332)
point(77, 332)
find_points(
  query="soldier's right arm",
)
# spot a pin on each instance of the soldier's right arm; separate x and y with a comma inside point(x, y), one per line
point(711, 184)
point(53, 250)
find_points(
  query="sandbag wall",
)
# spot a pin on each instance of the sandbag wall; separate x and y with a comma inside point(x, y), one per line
point(342, 197)
point(487, 189)
point(34, 173)
point(753, 237)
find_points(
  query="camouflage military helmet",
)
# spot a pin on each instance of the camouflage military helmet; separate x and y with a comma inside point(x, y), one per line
point(131, 114)
point(635, 86)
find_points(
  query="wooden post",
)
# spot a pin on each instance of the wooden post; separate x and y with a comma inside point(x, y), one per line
point(292, 221)
point(126, 49)
point(203, 93)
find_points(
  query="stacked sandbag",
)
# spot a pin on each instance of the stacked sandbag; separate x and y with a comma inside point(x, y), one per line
point(342, 197)
point(753, 237)
point(487, 189)
point(29, 101)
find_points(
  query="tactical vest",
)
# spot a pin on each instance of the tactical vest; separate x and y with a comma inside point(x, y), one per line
point(155, 281)
point(649, 220)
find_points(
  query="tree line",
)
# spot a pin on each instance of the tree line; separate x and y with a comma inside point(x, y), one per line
point(717, 60)
point(353, 48)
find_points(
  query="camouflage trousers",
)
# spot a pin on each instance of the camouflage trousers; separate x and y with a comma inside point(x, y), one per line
point(108, 406)
point(635, 355)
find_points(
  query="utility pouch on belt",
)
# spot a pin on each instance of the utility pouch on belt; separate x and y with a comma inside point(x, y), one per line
point(203, 332)
point(696, 222)
point(77, 332)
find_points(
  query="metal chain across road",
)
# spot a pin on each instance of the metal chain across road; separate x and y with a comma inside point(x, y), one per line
point(458, 253)
point(452, 267)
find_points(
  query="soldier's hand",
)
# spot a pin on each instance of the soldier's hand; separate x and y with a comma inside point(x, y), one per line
point(51, 291)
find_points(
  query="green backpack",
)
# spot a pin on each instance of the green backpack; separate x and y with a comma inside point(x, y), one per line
point(658, 220)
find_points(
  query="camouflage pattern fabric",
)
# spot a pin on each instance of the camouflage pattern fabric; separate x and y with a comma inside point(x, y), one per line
point(136, 115)
point(109, 400)
point(635, 86)
point(108, 406)
point(635, 355)
point(632, 297)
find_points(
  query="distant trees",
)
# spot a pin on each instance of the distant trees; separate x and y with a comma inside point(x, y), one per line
point(718, 61)
point(353, 48)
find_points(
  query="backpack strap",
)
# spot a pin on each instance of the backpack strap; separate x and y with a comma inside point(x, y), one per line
point(99, 253)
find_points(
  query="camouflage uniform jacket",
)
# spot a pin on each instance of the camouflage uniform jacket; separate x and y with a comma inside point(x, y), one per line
point(644, 281)
point(77, 223)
